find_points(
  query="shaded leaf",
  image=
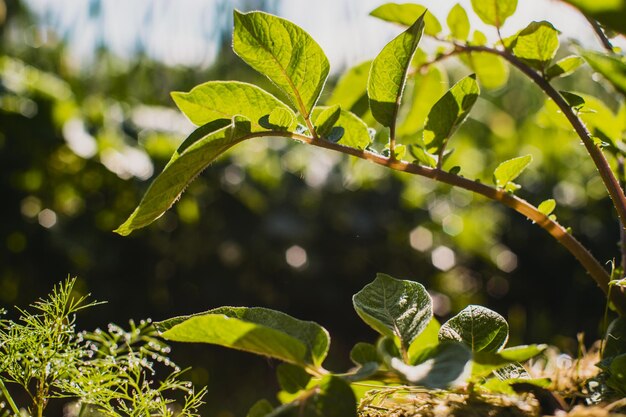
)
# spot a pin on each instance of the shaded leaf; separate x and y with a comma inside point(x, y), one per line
point(449, 113)
point(326, 119)
point(610, 13)
point(394, 308)
point(292, 378)
point(478, 327)
point(406, 14)
point(494, 12)
point(509, 170)
point(353, 131)
point(536, 44)
point(611, 67)
point(280, 120)
point(458, 22)
point(257, 330)
point(283, 52)
point(615, 340)
point(573, 100)
point(564, 67)
point(388, 74)
point(260, 408)
point(363, 353)
point(351, 88)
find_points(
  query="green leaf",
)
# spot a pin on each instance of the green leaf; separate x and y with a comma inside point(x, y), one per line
point(547, 207)
point(446, 364)
point(612, 67)
point(260, 408)
point(351, 89)
point(611, 13)
point(486, 362)
point(352, 131)
point(422, 156)
point(573, 100)
point(279, 119)
point(536, 44)
point(617, 374)
point(449, 113)
point(494, 12)
point(427, 89)
point(615, 340)
point(388, 74)
point(394, 308)
point(491, 70)
point(426, 340)
point(326, 119)
point(215, 100)
point(363, 353)
point(257, 330)
point(458, 22)
point(406, 14)
point(284, 53)
point(478, 327)
point(292, 378)
point(564, 67)
point(509, 170)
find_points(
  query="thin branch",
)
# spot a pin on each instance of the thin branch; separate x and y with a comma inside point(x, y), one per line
point(586, 259)
point(606, 43)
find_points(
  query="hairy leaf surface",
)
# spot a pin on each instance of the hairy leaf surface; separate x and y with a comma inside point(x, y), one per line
point(478, 327)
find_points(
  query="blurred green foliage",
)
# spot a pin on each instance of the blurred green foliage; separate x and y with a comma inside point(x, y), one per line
point(276, 224)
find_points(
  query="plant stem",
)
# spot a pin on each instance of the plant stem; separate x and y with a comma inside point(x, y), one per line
point(608, 177)
point(598, 273)
point(7, 396)
point(621, 175)
point(606, 43)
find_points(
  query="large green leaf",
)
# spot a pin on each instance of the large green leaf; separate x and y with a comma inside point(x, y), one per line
point(612, 67)
point(350, 130)
point(394, 308)
point(449, 112)
point(427, 89)
point(458, 22)
point(351, 89)
point(611, 13)
point(494, 12)
point(257, 330)
point(388, 74)
point(283, 52)
point(536, 44)
point(406, 14)
point(216, 100)
point(478, 327)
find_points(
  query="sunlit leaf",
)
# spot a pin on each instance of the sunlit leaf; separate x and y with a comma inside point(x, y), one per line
point(485, 362)
point(494, 12)
point(326, 119)
point(283, 52)
point(491, 70)
point(427, 89)
point(509, 170)
point(478, 327)
point(547, 207)
point(564, 67)
point(536, 44)
point(394, 308)
point(406, 14)
point(350, 130)
point(458, 22)
point(611, 13)
point(351, 89)
point(257, 330)
point(388, 74)
point(613, 68)
point(428, 338)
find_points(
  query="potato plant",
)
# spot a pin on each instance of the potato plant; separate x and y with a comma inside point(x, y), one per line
point(469, 349)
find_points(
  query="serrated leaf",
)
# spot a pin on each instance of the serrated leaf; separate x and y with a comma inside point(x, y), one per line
point(260, 408)
point(547, 207)
point(363, 353)
point(215, 100)
point(491, 70)
point(292, 378)
point(406, 14)
point(256, 330)
point(609, 13)
point(458, 22)
point(494, 12)
point(449, 113)
point(351, 89)
point(388, 74)
point(427, 89)
point(445, 365)
point(394, 308)
point(612, 67)
point(284, 53)
point(564, 67)
point(509, 170)
point(353, 131)
point(428, 338)
point(615, 340)
point(536, 44)
point(326, 119)
point(478, 327)
point(573, 100)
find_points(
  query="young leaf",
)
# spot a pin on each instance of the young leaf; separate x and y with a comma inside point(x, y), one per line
point(257, 330)
point(507, 171)
point(536, 44)
point(427, 89)
point(547, 207)
point(573, 100)
point(292, 378)
point(363, 353)
point(564, 67)
point(445, 365)
point(260, 408)
point(478, 327)
point(284, 53)
point(388, 74)
point(449, 112)
point(351, 89)
point(406, 14)
point(458, 22)
point(611, 67)
point(422, 156)
point(394, 308)
point(426, 340)
point(353, 131)
point(215, 100)
point(494, 12)
point(326, 119)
